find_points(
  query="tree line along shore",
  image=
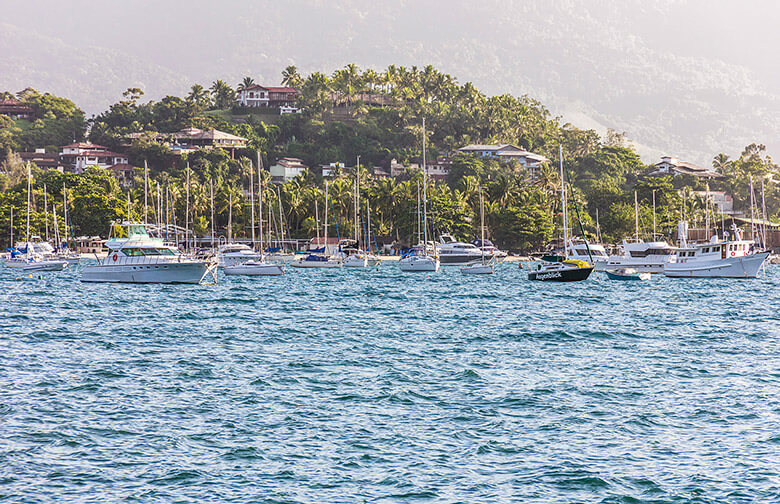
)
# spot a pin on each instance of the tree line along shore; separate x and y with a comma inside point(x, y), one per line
point(378, 117)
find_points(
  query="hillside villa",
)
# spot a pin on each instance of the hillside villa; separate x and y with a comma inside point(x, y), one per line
point(16, 109)
point(505, 152)
point(670, 165)
point(256, 95)
point(80, 155)
point(193, 139)
point(286, 169)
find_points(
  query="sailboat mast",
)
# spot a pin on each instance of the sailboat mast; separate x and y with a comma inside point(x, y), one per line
point(752, 216)
point(317, 219)
point(46, 211)
point(764, 217)
point(419, 216)
point(259, 203)
point(29, 187)
point(563, 205)
point(146, 194)
point(281, 220)
point(11, 245)
point(482, 225)
point(252, 199)
point(326, 217)
point(636, 216)
point(65, 212)
point(653, 214)
point(425, 195)
point(211, 190)
point(187, 212)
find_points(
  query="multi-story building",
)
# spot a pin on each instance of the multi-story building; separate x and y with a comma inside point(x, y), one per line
point(256, 95)
point(505, 152)
point(286, 169)
point(78, 156)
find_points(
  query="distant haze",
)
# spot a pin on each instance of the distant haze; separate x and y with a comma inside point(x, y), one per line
point(690, 78)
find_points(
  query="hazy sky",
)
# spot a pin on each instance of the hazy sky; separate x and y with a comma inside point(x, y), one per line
point(691, 78)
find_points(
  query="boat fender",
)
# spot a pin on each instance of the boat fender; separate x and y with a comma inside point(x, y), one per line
point(733, 254)
point(115, 257)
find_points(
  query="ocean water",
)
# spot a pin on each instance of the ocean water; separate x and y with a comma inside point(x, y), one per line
point(331, 386)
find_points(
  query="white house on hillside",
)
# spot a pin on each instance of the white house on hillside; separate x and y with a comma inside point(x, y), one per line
point(506, 152)
point(80, 155)
point(286, 169)
point(261, 96)
point(670, 165)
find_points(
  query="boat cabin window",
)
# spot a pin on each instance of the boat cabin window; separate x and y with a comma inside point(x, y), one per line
point(132, 252)
point(705, 250)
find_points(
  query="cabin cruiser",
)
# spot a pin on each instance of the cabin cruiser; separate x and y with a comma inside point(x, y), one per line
point(451, 251)
point(317, 261)
point(489, 249)
point(727, 258)
point(136, 257)
point(645, 257)
point(255, 268)
point(232, 254)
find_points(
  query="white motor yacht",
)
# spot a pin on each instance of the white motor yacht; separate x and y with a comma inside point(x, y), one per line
point(135, 257)
point(34, 256)
point(645, 257)
point(725, 258)
point(489, 249)
point(232, 254)
point(578, 249)
point(451, 251)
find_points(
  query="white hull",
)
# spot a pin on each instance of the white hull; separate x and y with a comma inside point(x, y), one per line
point(642, 267)
point(477, 269)
point(189, 272)
point(729, 267)
point(418, 264)
point(356, 262)
point(235, 260)
point(255, 269)
point(330, 263)
point(42, 265)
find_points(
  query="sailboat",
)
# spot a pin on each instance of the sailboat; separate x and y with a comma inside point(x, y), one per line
point(319, 259)
point(482, 266)
point(561, 268)
point(357, 257)
point(419, 259)
point(256, 267)
point(30, 259)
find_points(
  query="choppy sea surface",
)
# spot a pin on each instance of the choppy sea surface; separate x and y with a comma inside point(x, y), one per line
point(331, 386)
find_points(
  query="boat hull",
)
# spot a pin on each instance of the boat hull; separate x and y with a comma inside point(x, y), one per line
point(459, 259)
point(256, 269)
point(562, 275)
point(648, 267)
point(316, 264)
point(477, 269)
point(418, 264)
point(618, 276)
point(191, 272)
point(729, 267)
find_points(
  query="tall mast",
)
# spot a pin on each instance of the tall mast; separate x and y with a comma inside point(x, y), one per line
point(12, 228)
point(752, 216)
point(128, 207)
point(317, 218)
point(230, 216)
point(563, 205)
point(357, 201)
point(211, 191)
point(281, 218)
point(419, 216)
point(707, 213)
point(65, 212)
point(259, 204)
point(252, 200)
point(326, 217)
point(46, 211)
point(425, 195)
point(636, 217)
point(763, 213)
point(146, 195)
point(482, 225)
point(187, 212)
point(167, 211)
point(653, 214)
point(29, 187)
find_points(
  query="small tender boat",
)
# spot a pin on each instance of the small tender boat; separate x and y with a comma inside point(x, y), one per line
point(627, 274)
point(478, 268)
point(255, 268)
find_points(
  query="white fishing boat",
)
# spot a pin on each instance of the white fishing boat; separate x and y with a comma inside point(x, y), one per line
point(582, 250)
point(135, 257)
point(718, 258)
point(645, 257)
point(482, 266)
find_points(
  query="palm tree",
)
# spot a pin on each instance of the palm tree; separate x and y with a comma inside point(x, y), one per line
point(291, 77)
point(245, 84)
point(223, 94)
point(199, 97)
point(721, 163)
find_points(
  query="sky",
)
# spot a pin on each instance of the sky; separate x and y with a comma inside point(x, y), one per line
point(690, 78)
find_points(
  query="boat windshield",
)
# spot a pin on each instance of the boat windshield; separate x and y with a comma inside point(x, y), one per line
point(137, 251)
